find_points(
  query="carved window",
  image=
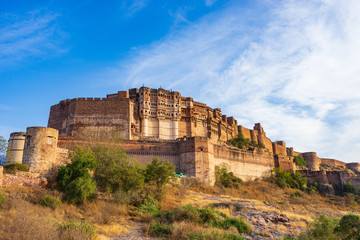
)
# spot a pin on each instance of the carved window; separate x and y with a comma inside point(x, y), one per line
point(50, 140)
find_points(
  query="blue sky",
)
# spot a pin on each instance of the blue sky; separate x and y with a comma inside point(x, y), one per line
point(291, 65)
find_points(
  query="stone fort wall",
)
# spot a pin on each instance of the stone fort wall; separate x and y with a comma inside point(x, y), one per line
point(159, 123)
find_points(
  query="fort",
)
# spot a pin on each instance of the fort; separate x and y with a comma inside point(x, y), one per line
point(161, 123)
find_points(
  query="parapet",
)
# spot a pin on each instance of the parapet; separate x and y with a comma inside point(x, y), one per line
point(119, 94)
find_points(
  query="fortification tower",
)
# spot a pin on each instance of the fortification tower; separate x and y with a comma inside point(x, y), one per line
point(16, 147)
point(159, 111)
point(40, 149)
point(313, 162)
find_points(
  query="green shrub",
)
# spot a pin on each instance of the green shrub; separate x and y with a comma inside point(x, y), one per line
point(226, 179)
point(158, 229)
point(115, 172)
point(300, 161)
point(80, 190)
point(321, 228)
point(50, 201)
point(348, 188)
point(240, 141)
point(349, 227)
point(290, 179)
point(75, 179)
point(3, 199)
point(13, 167)
point(74, 227)
point(227, 222)
point(150, 205)
point(159, 172)
point(206, 216)
point(296, 194)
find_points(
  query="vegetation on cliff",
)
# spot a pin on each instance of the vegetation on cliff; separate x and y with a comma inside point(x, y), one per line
point(13, 167)
point(224, 178)
point(243, 143)
point(300, 161)
point(292, 179)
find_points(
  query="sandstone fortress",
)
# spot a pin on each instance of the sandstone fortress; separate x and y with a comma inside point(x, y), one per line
point(162, 123)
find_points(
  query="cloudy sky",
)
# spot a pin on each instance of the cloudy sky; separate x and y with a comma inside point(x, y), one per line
point(294, 66)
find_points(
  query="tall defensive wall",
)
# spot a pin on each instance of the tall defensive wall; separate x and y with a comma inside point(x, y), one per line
point(164, 124)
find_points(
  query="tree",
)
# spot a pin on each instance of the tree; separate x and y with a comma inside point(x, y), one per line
point(75, 179)
point(3, 150)
point(321, 229)
point(159, 172)
point(115, 171)
point(349, 227)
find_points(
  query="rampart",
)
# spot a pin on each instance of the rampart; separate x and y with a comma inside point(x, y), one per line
point(331, 182)
point(158, 123)
point(332, 162)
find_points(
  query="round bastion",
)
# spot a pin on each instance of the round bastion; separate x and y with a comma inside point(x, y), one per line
point(313, 162)
point(16, 147)
point(40, 149)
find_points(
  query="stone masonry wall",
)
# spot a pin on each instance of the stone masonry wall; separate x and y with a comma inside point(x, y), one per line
point(40, 151)
point(91, 116)
point(332, 162)
point(24, 179)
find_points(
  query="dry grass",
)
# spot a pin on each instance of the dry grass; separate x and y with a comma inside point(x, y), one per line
point(22, 217)
point(112, 230)
point(268, 197)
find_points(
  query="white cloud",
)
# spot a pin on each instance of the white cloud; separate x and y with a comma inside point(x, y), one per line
point(294, 68)
point(209, 3)
point(33, 34)
point(133, 7)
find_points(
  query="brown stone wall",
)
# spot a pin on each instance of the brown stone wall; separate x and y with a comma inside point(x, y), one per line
point(254, 136)
point(62, 117)
point(313, 162)
point(24, 179)
point(332, 162)
point(279, 148)
point(244, 164)
point(99, 118)
point(91, 116)
point(284, 162)
point(266, 141)
point(245, 132)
